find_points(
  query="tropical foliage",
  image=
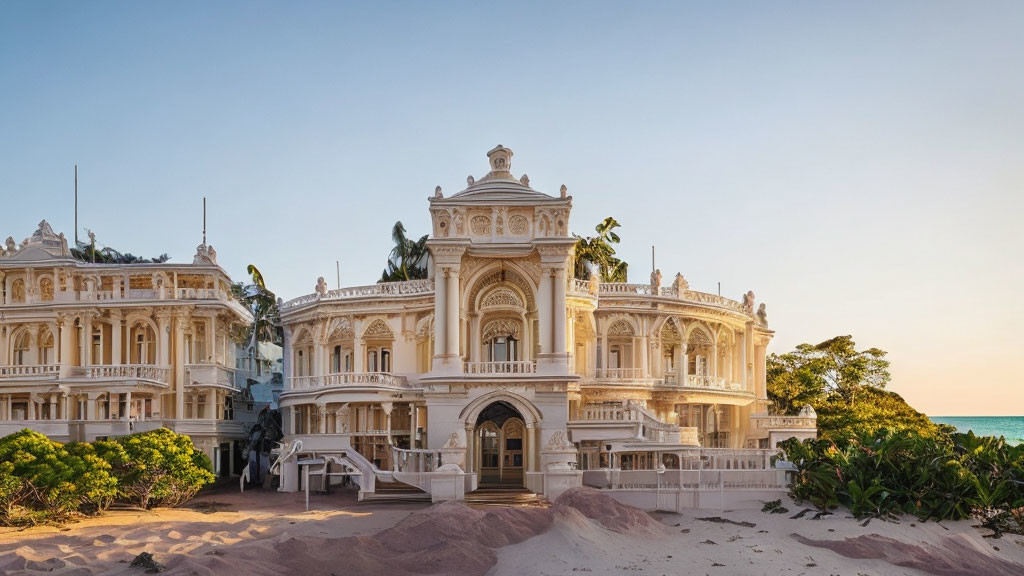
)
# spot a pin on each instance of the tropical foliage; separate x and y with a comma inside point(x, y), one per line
point(409, 258)
point(845, 386)
point(87, 252)
point(160, 468)
point(43, 481)
point(945, 477)
point(262, 303)
point(598, 252)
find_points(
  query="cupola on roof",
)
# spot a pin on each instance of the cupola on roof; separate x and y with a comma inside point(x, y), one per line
point(498, 185)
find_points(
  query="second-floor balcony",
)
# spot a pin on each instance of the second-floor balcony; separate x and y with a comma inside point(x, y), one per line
point(39, 371)
point(210, 375)
point(150, 372)
point(703, 382)
point(499, 368)
point(342, 379)
point(772, 422)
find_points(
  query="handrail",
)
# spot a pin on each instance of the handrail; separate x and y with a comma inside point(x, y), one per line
point(768, 421)
point(424, 286)
point(510, 367)
point(19, 370)
point(137, 371)
point(348, 379)
point(292, 448)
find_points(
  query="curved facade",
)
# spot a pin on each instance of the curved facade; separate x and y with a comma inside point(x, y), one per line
point(501, 368)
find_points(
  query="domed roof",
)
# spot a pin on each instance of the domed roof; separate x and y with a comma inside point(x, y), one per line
point(499, 185)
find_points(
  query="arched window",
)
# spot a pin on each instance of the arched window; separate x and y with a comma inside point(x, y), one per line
point(385, 360)
point(21, 349)
point(336, 360)
point(143, 346)
point(46, 355)
point(371, 361)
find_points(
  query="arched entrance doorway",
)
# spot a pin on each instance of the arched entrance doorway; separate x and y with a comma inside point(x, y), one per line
point(501, 447)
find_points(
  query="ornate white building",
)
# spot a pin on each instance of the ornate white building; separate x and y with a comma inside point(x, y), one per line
point(503, 369)
point(90, 351)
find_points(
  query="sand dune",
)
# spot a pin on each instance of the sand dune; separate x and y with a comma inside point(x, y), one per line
point(269, 533)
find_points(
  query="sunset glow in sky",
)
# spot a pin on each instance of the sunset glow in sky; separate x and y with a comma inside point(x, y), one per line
point(860, 167)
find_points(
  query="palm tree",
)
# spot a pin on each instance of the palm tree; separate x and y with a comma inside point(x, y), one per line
point(598, 252)
point(408, 259)
point(262, 303)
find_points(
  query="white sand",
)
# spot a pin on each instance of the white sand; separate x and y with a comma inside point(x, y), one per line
point(270, 533)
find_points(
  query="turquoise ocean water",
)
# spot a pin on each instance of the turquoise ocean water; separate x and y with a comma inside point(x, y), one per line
point(1009, 427)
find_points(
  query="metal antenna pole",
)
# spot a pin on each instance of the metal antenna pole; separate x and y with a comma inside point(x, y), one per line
point(76, 206)
point(204, 220)
point(337, 267)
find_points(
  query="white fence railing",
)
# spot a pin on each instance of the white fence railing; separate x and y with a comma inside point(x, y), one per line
point(348, 379)
point(126, 371)
point(34, 371)
point(210, 375)
point(619, 374)
point(414, 460)
point(487, 368)
point(768, 422)
point(425, 286)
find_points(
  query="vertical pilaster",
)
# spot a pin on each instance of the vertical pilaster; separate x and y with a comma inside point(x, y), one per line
point(179, 366)
point(116, 330)
point(452, 312)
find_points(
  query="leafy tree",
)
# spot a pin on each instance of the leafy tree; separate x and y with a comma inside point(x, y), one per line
point(868, 413)
point(160, 468)
point(409, 258)
point(598, 251)
point(44, 481)
point(262, 304)
point(87, 252)
point(814, 372)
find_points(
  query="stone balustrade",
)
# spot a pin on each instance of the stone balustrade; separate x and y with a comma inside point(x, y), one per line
point(772, 422)
point(160, 374)
point(380, 289)
point(414, 460)
point(692, 296)
point(488, 368)
point(210, 375)
point(384, 379)
point(619, 374)
point(35, 371)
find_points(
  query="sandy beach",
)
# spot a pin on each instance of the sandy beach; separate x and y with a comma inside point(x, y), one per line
point(256, 533)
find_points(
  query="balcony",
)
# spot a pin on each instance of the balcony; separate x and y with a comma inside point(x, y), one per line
point(769, 422)
point(343, 379)
point(499, 368)
point(378, 290)
point(210, 375)
point(702, 382)
point(159, 374)
point(41, 371)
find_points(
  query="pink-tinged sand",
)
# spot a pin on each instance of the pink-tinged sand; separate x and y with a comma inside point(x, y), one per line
point(585, 532)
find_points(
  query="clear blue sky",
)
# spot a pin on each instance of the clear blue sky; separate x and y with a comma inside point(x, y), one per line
point(859, 166)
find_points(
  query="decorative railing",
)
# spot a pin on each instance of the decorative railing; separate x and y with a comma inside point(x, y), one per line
point(770, 422)
point(126, 371)
point(619, 374)
point(348, 379)
point(425, 286)
point(623, 288)
point(580, 287)
point(142, 294)
point(39, 370)
point(414, 460)
point(210, 375)
point(511, 367)
point(201, 294)
point(607, 413)
point(712, 383)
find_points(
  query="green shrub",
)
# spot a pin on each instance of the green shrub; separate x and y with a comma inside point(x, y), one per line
point(159, 468)
point(933, 477)
point(44, 481)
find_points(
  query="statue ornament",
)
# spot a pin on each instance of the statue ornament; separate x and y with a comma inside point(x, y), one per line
point(748, 302)
point(321, 287)
point(762, 315)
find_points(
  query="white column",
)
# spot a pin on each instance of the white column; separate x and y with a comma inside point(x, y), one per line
point(87, 340)
point(115, 338)
point(645, 353)
point(544, 324)
point(558, 311)
point(452, 312)
point(440, 303)
point(211, 405)
point(127, 406)
point(179, 367)
point(4, 361)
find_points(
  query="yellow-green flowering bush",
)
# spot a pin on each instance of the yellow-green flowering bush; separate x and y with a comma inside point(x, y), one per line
point(160, 468)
